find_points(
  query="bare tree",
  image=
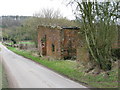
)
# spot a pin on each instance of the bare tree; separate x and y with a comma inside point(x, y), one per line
point(48, 13)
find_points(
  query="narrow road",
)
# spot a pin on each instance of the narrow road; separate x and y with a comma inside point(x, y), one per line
point(24, 73)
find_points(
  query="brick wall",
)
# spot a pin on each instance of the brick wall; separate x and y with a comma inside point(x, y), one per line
point(52, 42)
point(69, 43)
point(61, 43)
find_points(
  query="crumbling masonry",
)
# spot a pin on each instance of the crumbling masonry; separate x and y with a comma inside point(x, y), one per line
point(61, 43)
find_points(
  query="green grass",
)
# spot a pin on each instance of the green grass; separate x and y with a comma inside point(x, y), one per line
point(69, 69)
point(3, 78)
point(22, 42)
point(0, 76)
point(26, 42)
point(10, 43)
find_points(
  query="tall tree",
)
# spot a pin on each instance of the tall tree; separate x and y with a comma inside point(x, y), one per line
point(99, 29)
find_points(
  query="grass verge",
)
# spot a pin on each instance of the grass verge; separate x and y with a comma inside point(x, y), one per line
point(3, 78)
point(69, 69)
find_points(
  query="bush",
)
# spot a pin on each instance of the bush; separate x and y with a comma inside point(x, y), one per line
point(116, 53)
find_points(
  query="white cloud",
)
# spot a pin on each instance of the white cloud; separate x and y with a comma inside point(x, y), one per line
point(28, 7)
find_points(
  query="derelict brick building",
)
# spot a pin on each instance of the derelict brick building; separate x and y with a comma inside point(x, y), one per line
point(59, 43)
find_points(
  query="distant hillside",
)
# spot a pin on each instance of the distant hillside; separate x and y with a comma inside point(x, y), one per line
point(10, 21)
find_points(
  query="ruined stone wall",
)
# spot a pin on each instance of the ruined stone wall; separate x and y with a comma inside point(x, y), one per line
point(52, 41)
point(62, 43)
point(69, 43)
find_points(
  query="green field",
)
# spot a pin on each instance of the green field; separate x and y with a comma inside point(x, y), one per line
point(69, 68)
point(22, 42)
point(26, 42)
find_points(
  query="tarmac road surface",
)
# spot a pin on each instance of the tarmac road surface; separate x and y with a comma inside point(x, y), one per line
point(24, 73)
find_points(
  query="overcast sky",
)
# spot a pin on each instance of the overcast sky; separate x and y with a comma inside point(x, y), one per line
point(29, 7)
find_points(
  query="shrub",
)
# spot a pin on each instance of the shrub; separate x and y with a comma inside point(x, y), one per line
point(116, 53)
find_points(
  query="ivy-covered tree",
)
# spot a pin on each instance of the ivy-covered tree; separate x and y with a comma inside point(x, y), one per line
point(99, 28)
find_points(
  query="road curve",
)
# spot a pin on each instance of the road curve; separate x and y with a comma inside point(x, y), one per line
point(24, 73)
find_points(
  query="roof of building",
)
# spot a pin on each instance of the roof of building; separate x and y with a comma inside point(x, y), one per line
point(58, 27)
point(72, 28)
